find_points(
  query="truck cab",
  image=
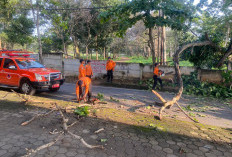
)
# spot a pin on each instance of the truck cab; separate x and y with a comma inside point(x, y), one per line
point(18, 70)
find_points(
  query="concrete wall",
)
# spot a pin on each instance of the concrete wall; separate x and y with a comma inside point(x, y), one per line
point(128, 71)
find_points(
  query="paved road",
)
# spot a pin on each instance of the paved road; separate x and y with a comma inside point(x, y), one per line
point(119, 140)
point(206, 110)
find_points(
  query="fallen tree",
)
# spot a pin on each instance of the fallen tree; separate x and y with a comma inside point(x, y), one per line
point(176, 98)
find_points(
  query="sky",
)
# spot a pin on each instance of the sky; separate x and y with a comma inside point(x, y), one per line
point(197, 1)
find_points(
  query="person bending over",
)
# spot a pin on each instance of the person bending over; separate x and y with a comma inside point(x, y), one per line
point(83, 84)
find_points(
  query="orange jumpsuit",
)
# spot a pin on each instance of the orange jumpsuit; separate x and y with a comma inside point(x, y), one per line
point(86, 84)
point(82, 72)
point(156, 78)
point(157, 71)
point(89, 71)
point(110, 65)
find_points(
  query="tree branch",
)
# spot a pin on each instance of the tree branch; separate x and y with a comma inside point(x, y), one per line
point(226, 55)
point(37, 116)
point(178, 74)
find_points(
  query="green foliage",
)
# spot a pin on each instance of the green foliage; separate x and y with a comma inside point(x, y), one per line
point(82, 111)
point(20, 30)
point(113, 99)
point(176, 14)
point(100, 96)
point(193, 86)
point(227, 76)
point(148, 83)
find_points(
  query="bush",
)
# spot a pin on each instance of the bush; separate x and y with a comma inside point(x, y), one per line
point(193, 86)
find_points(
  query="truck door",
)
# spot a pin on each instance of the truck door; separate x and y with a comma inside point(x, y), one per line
point(10, 75)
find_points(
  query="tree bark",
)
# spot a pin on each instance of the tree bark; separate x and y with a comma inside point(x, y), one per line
point(38, 33)
point(104, 53)
point(87, 51)
point(164, 46)
point(152, 45)
point(75, 48)
point(158, 44)
point(178, 74)
point(226, 55)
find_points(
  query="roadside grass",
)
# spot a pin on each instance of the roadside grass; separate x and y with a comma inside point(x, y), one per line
point(142, 122)
point(143, 60)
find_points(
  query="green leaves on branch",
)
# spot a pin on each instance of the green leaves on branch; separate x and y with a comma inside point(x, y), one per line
point(175, 14)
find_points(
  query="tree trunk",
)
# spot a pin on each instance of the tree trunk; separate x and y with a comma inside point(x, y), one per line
point(158, 45)
point(177, 97)
point(87, 52)
point(170, 50)
point(164, 46)
point(38, 33)
point(152, 46)
point(97, 55)
point(227, 54)
point(64, 46)
point(91, 54)
point(37, 21)
point(149, 51)
point(104, 53)
point(75, 48)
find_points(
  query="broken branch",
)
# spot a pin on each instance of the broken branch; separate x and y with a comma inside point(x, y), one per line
point(83, 141)
point(37, 116)
point(185, 112)
point(32, 151)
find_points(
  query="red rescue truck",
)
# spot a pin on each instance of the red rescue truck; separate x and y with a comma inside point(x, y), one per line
point(21, 71)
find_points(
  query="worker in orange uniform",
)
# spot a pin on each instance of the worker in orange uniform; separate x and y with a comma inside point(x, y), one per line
point(110, 65)
point(83, 84)
point(88, 69)
point(156, 76)
point(82, 72)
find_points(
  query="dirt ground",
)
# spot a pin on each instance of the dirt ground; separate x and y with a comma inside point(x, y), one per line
point(125, 133)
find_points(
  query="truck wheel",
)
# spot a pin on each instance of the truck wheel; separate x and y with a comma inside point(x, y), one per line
point(54, 89)
point(26, 88)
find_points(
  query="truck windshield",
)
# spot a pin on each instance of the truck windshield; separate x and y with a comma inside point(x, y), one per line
point(28, 64)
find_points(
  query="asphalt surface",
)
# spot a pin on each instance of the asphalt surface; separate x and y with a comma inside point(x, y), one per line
point(207, 110)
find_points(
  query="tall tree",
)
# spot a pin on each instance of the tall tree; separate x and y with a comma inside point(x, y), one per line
point(176, 14)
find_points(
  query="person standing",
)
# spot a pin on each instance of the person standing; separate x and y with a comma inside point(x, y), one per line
point(82, 72)
point(88, 69)
point(156, 76)
point(110, 65)
point(83, 84)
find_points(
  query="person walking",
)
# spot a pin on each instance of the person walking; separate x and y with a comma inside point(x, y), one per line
point(110, 65)
point(82, 72)
point(156, 76)
point(88, 69)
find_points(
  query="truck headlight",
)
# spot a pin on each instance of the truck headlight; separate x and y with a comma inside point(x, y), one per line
point(38, 77)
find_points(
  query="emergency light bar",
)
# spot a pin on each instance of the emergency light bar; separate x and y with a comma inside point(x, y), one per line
point(16, 55)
